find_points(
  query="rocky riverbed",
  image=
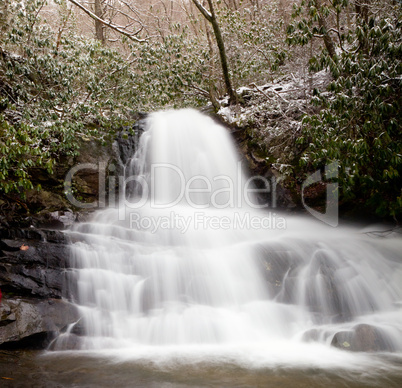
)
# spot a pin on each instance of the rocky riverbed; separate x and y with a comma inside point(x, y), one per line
point(33, 309)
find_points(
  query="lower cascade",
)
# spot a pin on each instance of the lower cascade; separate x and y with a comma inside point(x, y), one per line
point(189, 263)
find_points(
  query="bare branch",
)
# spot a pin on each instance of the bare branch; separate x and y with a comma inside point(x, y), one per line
point(118, 29)
point(204, 12)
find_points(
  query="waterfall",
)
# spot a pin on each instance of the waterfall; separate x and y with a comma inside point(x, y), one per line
point(189, 259)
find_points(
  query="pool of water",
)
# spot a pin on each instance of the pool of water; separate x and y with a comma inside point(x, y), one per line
point(121, 369)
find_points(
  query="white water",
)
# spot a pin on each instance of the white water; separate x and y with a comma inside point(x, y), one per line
point(202, 285)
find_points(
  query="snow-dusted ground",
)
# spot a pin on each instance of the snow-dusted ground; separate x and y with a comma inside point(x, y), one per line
point(290, 89)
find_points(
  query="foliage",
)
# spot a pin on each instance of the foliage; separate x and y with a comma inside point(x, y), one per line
point(55, 88)
point(358, 121)
point(254, 42)
point(170, 73)
point(182, 67)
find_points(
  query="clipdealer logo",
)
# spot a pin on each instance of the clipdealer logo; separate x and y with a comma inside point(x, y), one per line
point(331, 214)
point(233, 193)
point(218, 192)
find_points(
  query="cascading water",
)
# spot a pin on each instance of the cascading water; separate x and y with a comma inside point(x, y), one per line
point(187, 264)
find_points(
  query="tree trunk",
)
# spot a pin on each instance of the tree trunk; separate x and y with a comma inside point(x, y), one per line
point(329, 44)
point(98, 25)
point(362, 9)
point(222, 54)
point(211, 17)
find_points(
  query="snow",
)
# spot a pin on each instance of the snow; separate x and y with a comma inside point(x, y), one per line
point(227, 114)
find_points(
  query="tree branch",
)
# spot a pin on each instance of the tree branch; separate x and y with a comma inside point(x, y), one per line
point(108, 24)
point(204, 12)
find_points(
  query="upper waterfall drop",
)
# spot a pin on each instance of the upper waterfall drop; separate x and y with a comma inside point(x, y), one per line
point(187, 158)
point(192, 266)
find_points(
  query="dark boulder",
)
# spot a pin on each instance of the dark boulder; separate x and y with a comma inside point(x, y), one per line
point(343, 340)
point(276, 263)
point(363, 338)
point(22, 318)
point(40, 270)
point(33, 283)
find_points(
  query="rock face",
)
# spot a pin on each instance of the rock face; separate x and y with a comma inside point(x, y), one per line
point(33, 283)
point(127, 142)
point(39, 271)
point(77, 185)
point(31, 318)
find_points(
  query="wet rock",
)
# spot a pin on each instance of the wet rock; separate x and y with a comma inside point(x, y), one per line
point(318, 334)
point(60, 219)
point(38, 271)
point(127, 142)
point(317, 282)
point(55, 236)
point(276, 264)
point(33, 283)
point(311, 335)
point(290, 292)
point(78, 328)
point(21, 235)
point(369, 338)
point(363, 338)
point(24, 317)
point(66, 341)
point(343, 340)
